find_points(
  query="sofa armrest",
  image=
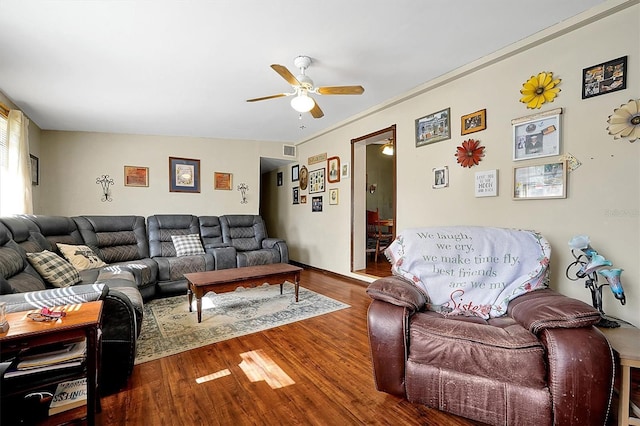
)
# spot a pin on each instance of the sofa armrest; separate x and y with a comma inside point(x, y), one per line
point(543, 309)
point(280, 245)
point(18, 302)
point(398, 291)
point(224, 255)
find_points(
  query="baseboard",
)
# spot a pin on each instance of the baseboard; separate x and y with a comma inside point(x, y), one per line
point(330, 273)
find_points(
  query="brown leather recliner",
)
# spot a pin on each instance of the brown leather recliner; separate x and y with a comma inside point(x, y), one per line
point(543, 363)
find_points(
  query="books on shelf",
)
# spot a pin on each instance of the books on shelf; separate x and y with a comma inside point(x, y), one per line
point(61, 356)
point(69, 395)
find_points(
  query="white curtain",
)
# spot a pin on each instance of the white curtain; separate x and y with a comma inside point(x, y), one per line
point(15, 181)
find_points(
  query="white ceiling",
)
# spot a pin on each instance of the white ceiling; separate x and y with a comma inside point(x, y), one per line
point(186, 68)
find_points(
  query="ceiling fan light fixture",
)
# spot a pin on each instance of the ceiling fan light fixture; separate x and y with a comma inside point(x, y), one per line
point(387, 148)
point(302, 103)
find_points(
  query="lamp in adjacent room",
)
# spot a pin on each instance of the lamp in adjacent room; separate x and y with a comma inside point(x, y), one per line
point(387, 148)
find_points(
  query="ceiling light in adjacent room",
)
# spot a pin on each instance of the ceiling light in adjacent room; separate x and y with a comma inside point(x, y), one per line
point(387, 148)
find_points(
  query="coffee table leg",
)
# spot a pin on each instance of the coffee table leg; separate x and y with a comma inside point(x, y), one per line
point(189, 296)
point(297, 283)
point(199, 305)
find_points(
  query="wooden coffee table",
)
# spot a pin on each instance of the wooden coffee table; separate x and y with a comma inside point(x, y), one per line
point(200, 283)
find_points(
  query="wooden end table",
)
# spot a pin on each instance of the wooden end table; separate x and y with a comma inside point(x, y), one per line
point(82, 321)
point(626, 342)
point(200, 283)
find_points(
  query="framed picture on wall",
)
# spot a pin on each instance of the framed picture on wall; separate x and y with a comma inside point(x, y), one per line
point(473, 122)
point(316, 204)
point(536, 135)
point(333, 165)
point(316, 181)
point(434, 127)
point(136, 176)
point(295, 173)
point(184, 175)
point(222, 180)
point(296, 195)
point(35, 169)
point(604, 78)
point(440, 177)
point(540, 181)
point(333, 196)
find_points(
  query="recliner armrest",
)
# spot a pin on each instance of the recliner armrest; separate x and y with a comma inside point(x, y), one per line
point(398, 291)
point(18, 302)
point(544, 309)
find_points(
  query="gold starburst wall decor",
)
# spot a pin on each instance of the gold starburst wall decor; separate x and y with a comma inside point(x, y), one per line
point(625, 121)
point(539, 89)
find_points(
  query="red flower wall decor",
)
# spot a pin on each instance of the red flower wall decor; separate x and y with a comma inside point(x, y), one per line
point(470, 153)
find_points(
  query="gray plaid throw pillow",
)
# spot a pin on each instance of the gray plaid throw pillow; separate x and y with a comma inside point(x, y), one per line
point(54, 269)
point(187, 245)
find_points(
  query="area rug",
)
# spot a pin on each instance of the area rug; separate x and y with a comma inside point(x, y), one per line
point(169, 328)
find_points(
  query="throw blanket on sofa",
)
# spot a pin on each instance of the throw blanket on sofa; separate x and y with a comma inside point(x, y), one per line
point(471, 270)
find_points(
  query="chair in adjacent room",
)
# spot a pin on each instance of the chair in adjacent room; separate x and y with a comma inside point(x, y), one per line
point(377, 240)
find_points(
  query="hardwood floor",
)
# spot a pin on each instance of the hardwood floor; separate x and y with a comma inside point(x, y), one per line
point(327, 357)
point(381, 268)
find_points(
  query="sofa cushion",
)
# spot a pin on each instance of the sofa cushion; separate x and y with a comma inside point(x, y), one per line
point(187, 245)
point(54, 269)
point(80, 256)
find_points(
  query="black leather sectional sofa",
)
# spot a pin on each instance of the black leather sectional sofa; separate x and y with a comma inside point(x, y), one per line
point(141, 263)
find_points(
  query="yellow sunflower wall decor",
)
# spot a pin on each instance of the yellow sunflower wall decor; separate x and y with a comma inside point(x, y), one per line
point(625, 121)
point(539, 89)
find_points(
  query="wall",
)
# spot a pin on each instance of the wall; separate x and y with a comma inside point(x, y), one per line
point(603, 193)
point(72, 161)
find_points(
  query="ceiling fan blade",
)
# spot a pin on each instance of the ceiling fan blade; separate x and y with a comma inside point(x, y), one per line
point(316, 112)
point(286, 74)
point(264, 98)
point(341, 90)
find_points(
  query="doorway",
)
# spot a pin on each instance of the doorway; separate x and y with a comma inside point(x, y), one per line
point(373, 188)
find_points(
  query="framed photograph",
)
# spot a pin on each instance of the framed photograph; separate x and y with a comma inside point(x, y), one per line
point(440, 177)
point(333, 165)
point(35, 169)
point(434, 127)
point(334, 196)
point(296, 195)
point(316, 181)
point(344, 171)
point(279, 179)
point(295, 173)
point(541, 181)
point(536, 135)
point(222, 180)
point(304, 178)
point(473, 122)
point(136, 176)
point(604, 78)
point(184, 175)
point(303, 199)
point(316, 204)
point(487, 183)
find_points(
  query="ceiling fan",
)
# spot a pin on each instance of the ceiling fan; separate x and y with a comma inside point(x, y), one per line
point(303, 86)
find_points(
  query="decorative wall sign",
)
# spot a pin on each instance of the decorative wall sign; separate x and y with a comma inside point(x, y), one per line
point(136, 176)
point(440, 177)
point(540, 181)
point(536, 135)
point(604, 78)
point(316, 181)
point(184, 175)
point(487, 183)
point(473, 122)
point(434, 127)
point(222, 180)
point(319, 158)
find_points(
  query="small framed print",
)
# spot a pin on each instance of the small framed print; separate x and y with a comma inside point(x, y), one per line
point(303, 199)
point(541, 181)
point(473, 122)
point(222, 181)
point(344, 174)
point(440, 177)
point(35, 169)
point(316, 181)
point(536, 135)
point(333, 165)
point(434, 127)
point(295, 173)
point(136, 176)
point(296, 195)
point(604, 78)
point(279, 179)
point(316, 204)
point(487, 183)
point(333, 196)
point(184, 175)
